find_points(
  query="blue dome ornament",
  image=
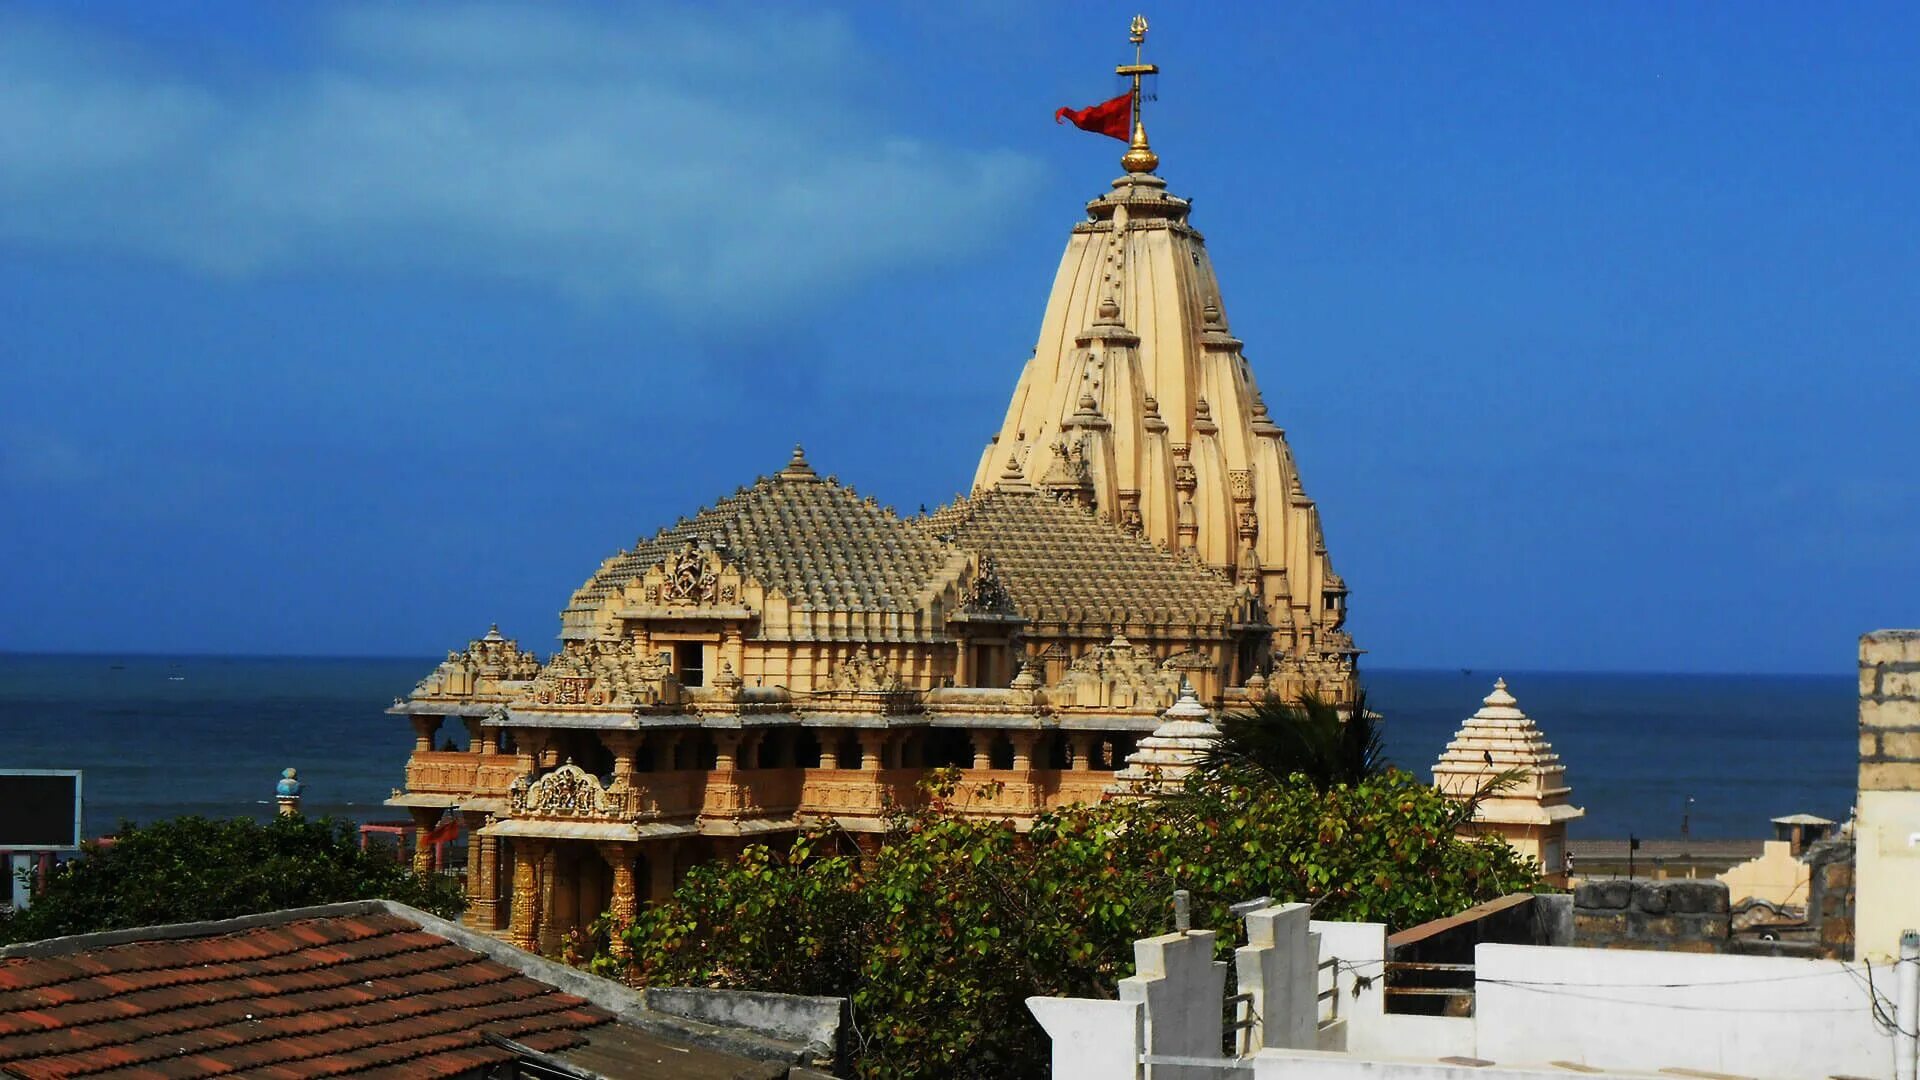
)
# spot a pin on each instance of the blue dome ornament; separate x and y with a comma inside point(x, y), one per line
point(289, 786)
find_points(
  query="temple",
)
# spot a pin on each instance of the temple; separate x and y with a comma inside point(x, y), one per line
point(1137, 548)
point(1500, 760)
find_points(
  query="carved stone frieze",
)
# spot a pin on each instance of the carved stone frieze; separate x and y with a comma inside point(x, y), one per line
point(868, 673)
point(485, 663)
point(568, 791)
point(1116, 675)
point(599, 674)
point(1240, 483)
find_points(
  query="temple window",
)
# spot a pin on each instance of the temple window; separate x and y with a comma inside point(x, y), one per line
point(767, 751)
point(452, 735)
point(590, 753)
point(690, 657)
point(1001, 754)
point(1057, 753)
point(846, 753)
point(947, 748)
point(806, 749)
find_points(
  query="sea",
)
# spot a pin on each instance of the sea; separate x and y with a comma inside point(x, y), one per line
point(1657, 756)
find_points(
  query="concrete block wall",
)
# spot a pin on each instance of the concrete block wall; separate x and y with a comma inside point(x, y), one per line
point(1671, 916)
point(1887, 822)
point(1890, 711)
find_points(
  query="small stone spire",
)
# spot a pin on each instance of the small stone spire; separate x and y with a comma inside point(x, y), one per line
point(1164, 759)
point(1533, 812)
point(287, 792)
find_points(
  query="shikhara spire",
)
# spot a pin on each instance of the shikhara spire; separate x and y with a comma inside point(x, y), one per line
point(1139, 404)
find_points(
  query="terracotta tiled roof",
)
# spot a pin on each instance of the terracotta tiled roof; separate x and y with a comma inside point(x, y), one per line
point(370, 995)
point(821, 543)
point(1062, 564)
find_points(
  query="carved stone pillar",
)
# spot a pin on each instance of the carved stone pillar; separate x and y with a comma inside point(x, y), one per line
point(524, 930)
point(982, 740)
point(1082, 747)
point(490, 863)
point(423, 729)
point(424, 819)
point(623, 905)
point(724, 796)
point(625, 747)
point(1023, 744)
point(480, 885)
point(873, 746)
point(733, 648)
point(726, 750)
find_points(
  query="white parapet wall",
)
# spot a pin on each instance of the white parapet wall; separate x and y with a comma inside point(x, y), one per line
point(1752, 1016)
point(1357, 977)
point(1538, 1011)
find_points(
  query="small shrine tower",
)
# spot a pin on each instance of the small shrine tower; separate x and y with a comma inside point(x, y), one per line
point(1531, 814)
point(1163, 760)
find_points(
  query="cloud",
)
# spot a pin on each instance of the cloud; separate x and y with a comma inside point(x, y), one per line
point(718, 162)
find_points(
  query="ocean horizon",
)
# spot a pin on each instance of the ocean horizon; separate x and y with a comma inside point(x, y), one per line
point(162, 735)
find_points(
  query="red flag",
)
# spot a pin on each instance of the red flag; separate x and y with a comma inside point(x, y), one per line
point(443, 833)
point(1109, 118)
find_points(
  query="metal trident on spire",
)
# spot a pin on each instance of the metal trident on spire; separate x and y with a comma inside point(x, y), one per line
point(1139, 157)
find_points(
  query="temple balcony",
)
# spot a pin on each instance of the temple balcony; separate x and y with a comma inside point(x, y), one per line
point(858, 792)
point(460, 772)
point(445, 772)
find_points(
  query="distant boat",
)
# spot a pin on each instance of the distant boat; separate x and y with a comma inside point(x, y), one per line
point(176, 678)
point(1466, 671)
point(117, 667)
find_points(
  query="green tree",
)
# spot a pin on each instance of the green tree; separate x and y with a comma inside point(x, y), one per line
point(193, 868)
point(940, 936)
point(1277, 739)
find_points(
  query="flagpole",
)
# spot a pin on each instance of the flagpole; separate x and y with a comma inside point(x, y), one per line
point(1139, 157)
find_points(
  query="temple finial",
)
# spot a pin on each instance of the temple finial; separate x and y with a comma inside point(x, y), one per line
point(797, 467)
point(1139, 157)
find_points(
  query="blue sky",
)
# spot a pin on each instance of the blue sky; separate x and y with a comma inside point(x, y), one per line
point(351, 329)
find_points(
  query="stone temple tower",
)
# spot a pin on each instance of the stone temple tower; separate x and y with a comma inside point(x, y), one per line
point(1139, 403)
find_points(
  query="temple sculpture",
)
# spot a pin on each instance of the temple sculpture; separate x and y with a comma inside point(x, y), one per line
point(797, 652)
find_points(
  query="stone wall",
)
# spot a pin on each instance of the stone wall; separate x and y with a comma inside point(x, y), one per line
point(1671, 916)
point(1830, 897)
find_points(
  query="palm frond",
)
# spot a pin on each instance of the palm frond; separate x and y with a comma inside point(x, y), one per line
point(1277, 739)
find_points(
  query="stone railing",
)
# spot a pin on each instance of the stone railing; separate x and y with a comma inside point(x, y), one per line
point(676, 794)
point(443, 772)
point(856, 792)
point(770, 791)
point(1072, 786)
